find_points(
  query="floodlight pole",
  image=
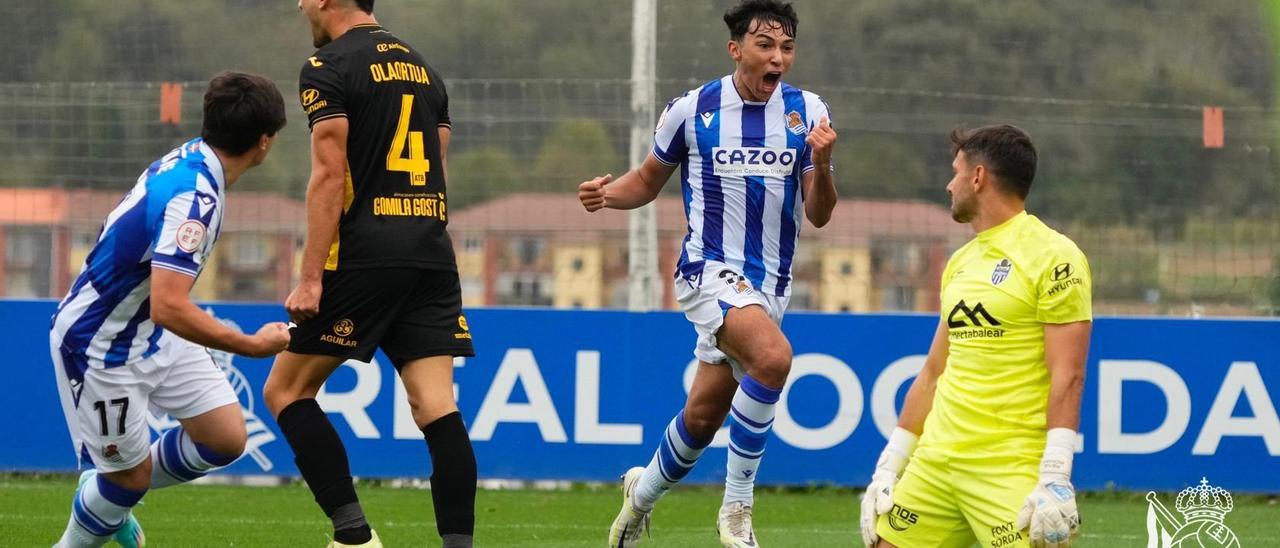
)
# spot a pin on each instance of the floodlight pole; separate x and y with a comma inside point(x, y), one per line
point(645, 289)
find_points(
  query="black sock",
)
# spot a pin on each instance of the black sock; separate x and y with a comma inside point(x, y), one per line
point(349, 525)
point(322, 460)
point(453, 477)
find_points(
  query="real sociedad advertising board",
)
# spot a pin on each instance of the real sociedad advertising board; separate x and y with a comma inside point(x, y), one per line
point(583, 395)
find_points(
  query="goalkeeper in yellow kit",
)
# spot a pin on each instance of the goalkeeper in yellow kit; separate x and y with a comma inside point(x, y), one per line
point(984, 444)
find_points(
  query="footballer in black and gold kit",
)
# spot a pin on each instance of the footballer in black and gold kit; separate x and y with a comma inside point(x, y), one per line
point(391, 277)
point(378, 269)
point(395, 212)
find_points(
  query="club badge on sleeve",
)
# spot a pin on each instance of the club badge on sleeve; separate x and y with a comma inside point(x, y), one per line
point(190, 235)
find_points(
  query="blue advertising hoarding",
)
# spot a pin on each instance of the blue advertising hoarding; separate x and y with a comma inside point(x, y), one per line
point(583, 395)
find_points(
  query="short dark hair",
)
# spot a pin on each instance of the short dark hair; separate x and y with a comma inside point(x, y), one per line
point(1006, 150)
point(365, 5)
point(771, 12)
point(239, 109)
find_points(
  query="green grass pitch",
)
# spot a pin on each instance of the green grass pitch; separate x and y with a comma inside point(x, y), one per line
point(33, 511)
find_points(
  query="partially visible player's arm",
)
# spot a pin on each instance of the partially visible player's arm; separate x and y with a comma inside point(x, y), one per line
point(444, 133)
point(819, 184)
point(919, 401)
point(326, 192)
point(1049, 513)
point(172, 309)
point(1065, 349)
point(902, 442)
point(634, 189)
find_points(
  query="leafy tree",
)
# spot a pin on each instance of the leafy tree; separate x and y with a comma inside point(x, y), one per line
point(1110, 90)
point(573, 151)
point(482, 174)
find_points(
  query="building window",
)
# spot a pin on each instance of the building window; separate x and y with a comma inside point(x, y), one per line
point(897, 298)
point(523, 288)
point(528, 250)
point(846, 268)
point(28, 261)
point(244, 287)
point(472, 291)
point(897, 258)
point(576, 265)
point(472, 244)
point(249, 252)
point(84, 240)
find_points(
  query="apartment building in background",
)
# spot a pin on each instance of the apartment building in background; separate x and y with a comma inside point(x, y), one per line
point(46, 233)
point(524, 249)
point(534, 249)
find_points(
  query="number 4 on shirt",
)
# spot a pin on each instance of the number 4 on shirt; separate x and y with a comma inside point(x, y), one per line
point(416, 165)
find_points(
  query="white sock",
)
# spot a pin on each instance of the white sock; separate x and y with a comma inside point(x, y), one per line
point(97, 512)
point(76, 536)
point(676, 455)
point(751, 420)
point(176, 458)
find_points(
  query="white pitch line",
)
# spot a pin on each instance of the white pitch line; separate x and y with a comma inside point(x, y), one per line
point(430, 524)
point(1268, 539)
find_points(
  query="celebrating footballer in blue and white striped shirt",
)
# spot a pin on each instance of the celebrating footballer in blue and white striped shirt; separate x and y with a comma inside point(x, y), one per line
point(127, 336)
point(99, 320)
point(742, 165)
point(754, 154)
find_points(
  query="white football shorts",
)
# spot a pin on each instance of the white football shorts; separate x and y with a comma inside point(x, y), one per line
point(108, 421)
point(706, 295)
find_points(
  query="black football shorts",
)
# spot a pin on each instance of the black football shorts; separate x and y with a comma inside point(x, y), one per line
point(410, 313)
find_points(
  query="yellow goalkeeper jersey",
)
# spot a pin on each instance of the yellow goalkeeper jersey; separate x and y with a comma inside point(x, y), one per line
point(998, 291)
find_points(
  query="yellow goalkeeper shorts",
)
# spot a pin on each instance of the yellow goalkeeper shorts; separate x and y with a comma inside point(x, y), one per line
point(946, 501)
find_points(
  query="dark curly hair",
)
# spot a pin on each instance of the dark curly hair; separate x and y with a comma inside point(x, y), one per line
point(761, 12)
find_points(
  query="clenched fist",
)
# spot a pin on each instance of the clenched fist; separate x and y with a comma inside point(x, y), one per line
point(821, 140)
point(304, 302)
point(591, 193)
point(270, 340)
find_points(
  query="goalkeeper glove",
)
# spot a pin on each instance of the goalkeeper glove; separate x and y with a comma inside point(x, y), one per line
point(1050, 510)
point(879, 496)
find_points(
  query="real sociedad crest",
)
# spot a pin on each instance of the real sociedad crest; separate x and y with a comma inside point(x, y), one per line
point(259, 433)
point(1002, 271)
point(1203, 510)
point(796, 125)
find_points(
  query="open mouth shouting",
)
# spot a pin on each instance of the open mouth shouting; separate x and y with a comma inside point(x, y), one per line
point(771, 80)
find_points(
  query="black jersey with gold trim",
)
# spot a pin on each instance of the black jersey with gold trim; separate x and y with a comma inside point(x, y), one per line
point(395, 212)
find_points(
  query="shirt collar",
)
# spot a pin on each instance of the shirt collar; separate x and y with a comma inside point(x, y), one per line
point(1002, 228)
point(214, 164)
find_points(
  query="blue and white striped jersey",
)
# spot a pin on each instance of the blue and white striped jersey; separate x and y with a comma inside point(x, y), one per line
point(741, 164)
point(170, 219)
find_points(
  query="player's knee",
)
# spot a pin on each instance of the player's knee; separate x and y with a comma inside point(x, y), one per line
point(426, 410)
point(231, 450)
point(231, 446)
point(772, 365)
point(278, 396)
point(222, 445)
point(137, 478)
